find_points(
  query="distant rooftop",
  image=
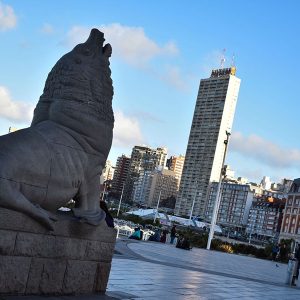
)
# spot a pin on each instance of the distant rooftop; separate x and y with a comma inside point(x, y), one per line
point(223, 72)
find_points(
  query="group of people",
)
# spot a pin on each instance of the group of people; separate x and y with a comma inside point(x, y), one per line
point(137, 234)
point(279, 252)
point(161, 235)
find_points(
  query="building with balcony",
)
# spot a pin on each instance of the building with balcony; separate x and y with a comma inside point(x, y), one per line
point(235, 203)
point(290, 228)
point(120, 174)
point(143, 159)
point(265, 217)
point(175, 163)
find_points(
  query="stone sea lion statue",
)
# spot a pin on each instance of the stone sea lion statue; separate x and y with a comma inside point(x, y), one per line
point(61, 155)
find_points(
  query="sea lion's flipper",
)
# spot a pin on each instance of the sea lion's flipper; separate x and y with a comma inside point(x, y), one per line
point(87, 207)
point(12, 198)
point(92, 217)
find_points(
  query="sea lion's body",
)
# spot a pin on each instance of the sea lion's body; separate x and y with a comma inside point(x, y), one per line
point(61, 156)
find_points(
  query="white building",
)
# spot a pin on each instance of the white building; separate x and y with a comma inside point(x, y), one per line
point(213, 116)
point(266, 183)
point(235, 204)
point(151, 184)
point(141, 187)
point(107, 172)
point(175, 163)
point(143, 159)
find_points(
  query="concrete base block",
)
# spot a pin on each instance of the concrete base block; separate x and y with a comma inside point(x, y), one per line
point(75, 258)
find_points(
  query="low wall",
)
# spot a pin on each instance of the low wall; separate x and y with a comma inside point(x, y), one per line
point(75, 258)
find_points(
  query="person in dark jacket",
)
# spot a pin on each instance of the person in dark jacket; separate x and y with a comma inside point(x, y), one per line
point(136, 234)
point(297, 256)
point(163, 237)
point(156, 236)
point(183, 243)
point(275, 250)
point(173, 234)
point(283, 252)
point(109, 219)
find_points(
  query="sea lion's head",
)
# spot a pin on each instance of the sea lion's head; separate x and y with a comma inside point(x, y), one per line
point(80, 81)
point(92, 51)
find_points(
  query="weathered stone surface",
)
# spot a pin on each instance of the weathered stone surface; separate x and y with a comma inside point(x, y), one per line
point(79, 277)
point(48, 263)
point(13, 274)
point(102, 276)
point(99, 251)
point(46, 276)
point(7, 242)
point(64, 150)
point(65, 226)
point(36, 245)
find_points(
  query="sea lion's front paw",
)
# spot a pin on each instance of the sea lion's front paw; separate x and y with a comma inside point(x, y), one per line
point(92, 217)
point(44, 217)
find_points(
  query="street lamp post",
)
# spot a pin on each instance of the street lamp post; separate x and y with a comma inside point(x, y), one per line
point(156, 213)
point(218, 196)
point(103, 192)
point(120, 200)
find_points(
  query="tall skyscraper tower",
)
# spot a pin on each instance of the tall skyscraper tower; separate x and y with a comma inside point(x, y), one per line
point(213, 116)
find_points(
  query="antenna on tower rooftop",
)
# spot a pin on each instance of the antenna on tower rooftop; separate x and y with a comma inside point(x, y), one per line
point(233, 60)
point(223, 58)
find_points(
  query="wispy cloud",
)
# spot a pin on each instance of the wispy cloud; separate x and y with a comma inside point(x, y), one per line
point(130, 44)
point(265, 151)
point(47, 29)
point(127, 132)
point(8, 19)
point(174, 77)
point(11, 110)
point(146, 116)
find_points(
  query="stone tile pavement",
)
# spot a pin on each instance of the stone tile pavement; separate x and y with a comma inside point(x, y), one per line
point(242, 267)
point(144, 280)
point(148, 270)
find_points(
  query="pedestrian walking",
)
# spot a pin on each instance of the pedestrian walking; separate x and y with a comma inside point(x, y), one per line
point(275, 250)
point(173, 234)
point(297, 257)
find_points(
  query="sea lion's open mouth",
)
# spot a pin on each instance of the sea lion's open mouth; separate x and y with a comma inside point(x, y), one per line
point(95, 40)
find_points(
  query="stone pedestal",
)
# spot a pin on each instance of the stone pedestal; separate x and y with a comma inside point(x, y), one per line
point(75, 258)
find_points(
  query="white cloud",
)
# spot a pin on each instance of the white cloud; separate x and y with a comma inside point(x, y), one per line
point(174, 77)
point(14, 111)
point(8, 19)
point(47, 29)
point(265, 151)
point(127, 132)
point(131, 44)
point(134, 47)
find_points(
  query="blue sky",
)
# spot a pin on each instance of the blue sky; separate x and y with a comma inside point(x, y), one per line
point(161, 50)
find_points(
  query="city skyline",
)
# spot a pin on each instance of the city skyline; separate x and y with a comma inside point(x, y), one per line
point(158, 60)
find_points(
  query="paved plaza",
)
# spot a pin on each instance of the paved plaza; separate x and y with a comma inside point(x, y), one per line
point(149, 270)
